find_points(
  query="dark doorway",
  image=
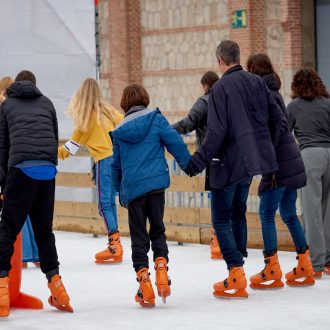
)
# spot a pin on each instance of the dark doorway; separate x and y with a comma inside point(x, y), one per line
point(323, 40)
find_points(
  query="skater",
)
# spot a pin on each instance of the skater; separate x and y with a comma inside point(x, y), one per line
point(197, 116)
point(279, 190)
point(28, 158)
point(196, 121)
point(309, 118)
point(243, 124)
point(93, 120)
point(140, 173)
point(29, 245)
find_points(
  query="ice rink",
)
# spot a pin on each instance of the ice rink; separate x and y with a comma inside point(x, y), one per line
point(103, 295)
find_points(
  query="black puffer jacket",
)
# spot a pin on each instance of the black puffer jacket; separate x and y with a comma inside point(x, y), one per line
point(28, 127)
point(196, 120)
point(291, 171)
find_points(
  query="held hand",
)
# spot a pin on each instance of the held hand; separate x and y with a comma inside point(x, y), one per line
point(63, 153)
point(189, 170)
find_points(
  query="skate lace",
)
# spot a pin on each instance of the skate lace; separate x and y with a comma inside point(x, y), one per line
point(263, 272)
point(112, 249)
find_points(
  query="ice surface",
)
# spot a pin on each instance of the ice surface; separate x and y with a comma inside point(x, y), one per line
point(103, 295)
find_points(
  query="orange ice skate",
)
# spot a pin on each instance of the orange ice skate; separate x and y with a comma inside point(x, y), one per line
point(145, 295)
point(302, 275)
point(4, 296)
point(270, 277)
point(236, 281)
point(327, 270)
point(317, 275)
point(214, 247)
point(163, 282)
point(59, 297)
point(113, 254)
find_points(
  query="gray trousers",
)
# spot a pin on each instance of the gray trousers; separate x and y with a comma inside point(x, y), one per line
point(315, 205)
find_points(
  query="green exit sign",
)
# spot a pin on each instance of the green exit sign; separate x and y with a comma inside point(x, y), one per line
point(239, 19)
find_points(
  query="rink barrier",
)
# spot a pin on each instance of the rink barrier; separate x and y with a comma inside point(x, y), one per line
point(183, 224)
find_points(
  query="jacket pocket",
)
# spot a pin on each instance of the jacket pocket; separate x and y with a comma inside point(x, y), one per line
point(218, 173)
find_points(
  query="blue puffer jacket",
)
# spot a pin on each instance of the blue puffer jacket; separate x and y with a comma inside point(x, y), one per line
point(139, 165)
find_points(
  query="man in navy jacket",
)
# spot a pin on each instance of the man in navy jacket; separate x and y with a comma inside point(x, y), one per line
point(243, 127)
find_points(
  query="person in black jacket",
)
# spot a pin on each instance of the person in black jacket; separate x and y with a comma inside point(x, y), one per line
point(243, 124)
point(28, 159)
point(197, 121)
point(279, 190)
point(197, 116)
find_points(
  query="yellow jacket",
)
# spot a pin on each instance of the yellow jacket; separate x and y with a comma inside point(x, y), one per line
point(96, 139)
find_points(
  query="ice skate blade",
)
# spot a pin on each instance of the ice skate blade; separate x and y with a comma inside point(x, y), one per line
point(307, 282)
point(240, 294)
point(216, 257)
point(272, 286)
point(164, 293)
point(4, 312)
point(145, 304)
point(109, 261)
point(63, 308)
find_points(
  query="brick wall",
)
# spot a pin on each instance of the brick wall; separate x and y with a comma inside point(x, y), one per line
point(168, 44)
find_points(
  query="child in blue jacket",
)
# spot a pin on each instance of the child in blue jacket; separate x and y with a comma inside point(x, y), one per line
point(141, 175)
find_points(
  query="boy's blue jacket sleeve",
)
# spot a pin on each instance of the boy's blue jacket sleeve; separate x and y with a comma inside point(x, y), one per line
point(116, 165)
point(174, 143)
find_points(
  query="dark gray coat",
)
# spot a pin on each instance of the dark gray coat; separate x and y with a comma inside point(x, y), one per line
point(195, 121)
point(28, 127)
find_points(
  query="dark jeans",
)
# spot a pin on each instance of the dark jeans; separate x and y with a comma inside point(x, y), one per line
point(228, 206)
point(24, 196)
point(139, 210)
point(284, 198)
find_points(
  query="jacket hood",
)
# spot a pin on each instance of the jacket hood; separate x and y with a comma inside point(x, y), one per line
point(271, 82)
point(135, 126)
point(23, 90)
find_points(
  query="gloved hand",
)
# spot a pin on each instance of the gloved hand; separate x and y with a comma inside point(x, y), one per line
point(189, 170)
point(63, 153)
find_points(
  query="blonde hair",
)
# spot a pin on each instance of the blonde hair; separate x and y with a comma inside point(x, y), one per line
point(87, 99)
point(5, 82)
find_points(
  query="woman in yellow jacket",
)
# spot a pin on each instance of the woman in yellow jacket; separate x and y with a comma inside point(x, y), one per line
point(93, 120)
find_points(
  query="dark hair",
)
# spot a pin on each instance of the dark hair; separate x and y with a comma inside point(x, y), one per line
point(308, 85)
point(26, 75)
point(209, 78)
point(261, 65)
point(134, 95)
point(228, 51)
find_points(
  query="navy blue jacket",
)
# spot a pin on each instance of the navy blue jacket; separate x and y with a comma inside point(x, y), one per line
point(139, 165)
point(291, 171)
point(243, 124)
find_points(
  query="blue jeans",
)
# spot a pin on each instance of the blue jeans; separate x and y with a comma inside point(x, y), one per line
point(106, 194)
point(228, 206)
point(29, 246)
point(285, 199)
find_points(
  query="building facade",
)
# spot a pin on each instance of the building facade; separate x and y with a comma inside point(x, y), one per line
point(168, 44)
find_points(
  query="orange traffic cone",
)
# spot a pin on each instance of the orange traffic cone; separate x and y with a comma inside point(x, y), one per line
point(17, 298)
